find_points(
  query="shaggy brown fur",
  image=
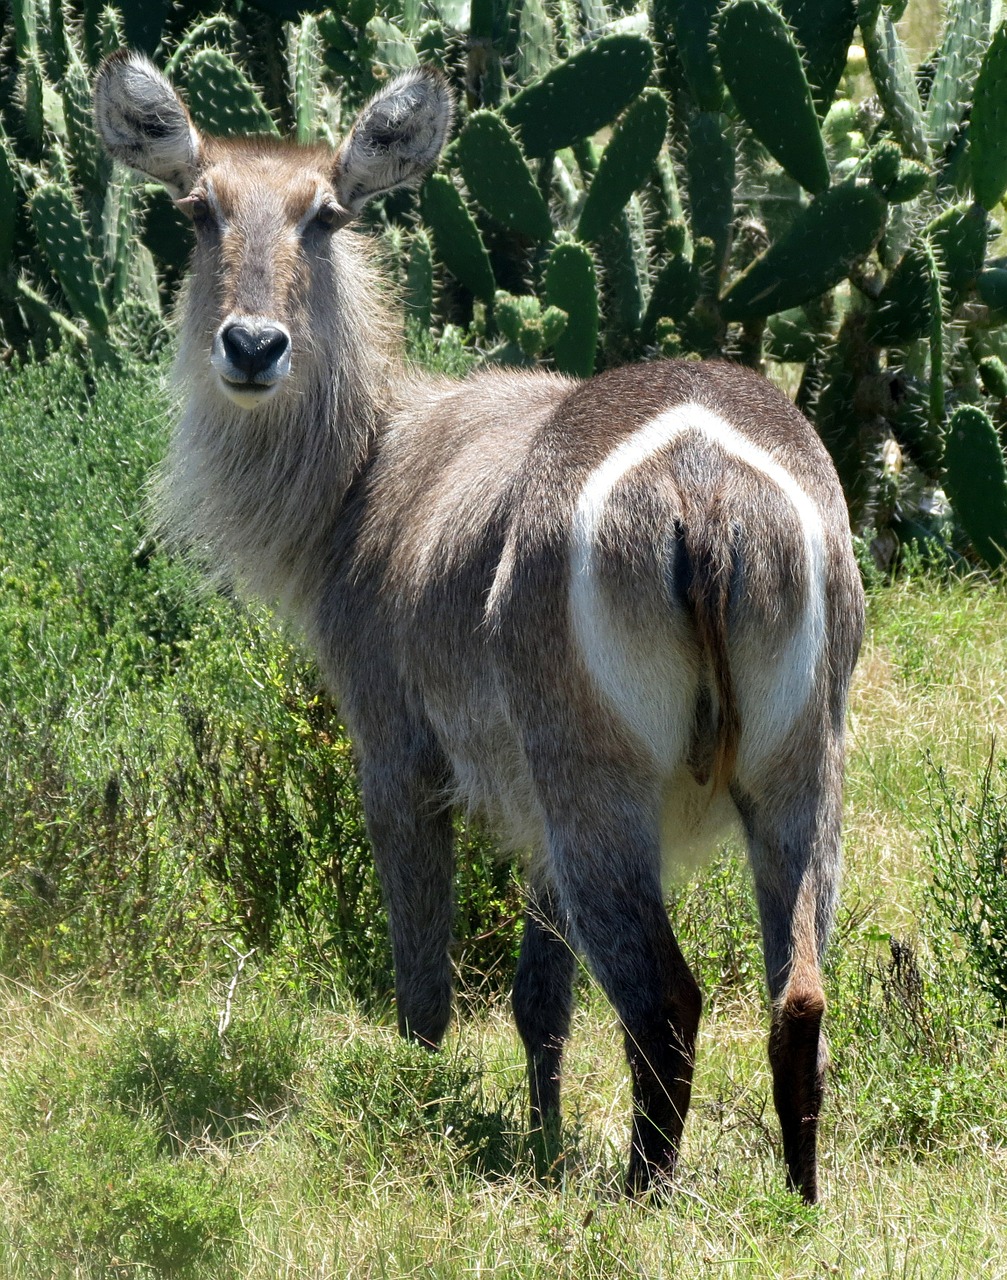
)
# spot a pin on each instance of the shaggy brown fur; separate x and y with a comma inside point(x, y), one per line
point(610, 615)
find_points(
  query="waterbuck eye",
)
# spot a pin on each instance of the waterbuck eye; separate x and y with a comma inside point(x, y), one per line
point(328, 217)
point(197, 208)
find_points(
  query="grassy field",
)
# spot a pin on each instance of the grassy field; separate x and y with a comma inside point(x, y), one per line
point(198, 1075)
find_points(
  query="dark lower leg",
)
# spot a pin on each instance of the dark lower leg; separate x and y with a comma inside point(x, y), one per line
point(417, 886)
point(634, 952)
point(661, 1056)
point(423, 995)
point(541, 1001)
point(797, 1056)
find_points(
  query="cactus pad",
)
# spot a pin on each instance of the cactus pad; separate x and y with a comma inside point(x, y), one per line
point(459, 245)
point(903, 306)
point(914, 429)
point(420, 279)
point(33, 99)
point(498, 177)
point(762, 68)
point(956, 63)
point(709, 168)
point(988, 130)
point(790, 335)
point(167, 233)
point(839, 227)
point(111, 32)
point(526, 325)
point(992, 288)
point(308, 66)
point(976, 481)
point(625, 164)
point(570, 285)
point(993, 376)
point(222, 99)
point(824, 31)
point(896, 85)
point(672, 297)
point(89, 161)
point(884, 161)
point(9, 198)
point(691, 21)
point(623, 253)
point(960, 235)
point(536, 51)
point(60, 229)
point(909, 182)
point(582, 94)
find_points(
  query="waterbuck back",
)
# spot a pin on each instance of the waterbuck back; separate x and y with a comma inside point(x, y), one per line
point(615, 616)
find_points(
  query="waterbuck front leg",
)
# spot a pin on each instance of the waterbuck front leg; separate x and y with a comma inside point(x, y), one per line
point(608, 877)
point(410, 828)
point(795, 856)
point(541, 999)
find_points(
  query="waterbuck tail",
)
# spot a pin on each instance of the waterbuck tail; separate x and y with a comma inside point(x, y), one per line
point(710, 549)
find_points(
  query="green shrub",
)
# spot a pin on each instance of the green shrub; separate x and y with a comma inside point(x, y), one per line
point(912, 1047)
point(717, 924)
point(174, 775)
point(969, 853)
point(192, 1082)
point(95, 1190)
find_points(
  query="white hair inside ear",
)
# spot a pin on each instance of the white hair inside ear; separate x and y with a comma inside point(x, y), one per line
point(143, 123)
point(396, 139)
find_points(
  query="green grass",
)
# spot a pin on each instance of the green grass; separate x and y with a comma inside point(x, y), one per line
point(198, 1075)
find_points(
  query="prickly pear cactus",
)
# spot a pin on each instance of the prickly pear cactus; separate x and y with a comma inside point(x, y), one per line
point(757, 49)
point(307, 78)
point(738, 204)
point(838, 229)
point(497, 175)
point(626, 164)
point(456, 236)
point(419, 291)
point(580, 95)
point(976, 481)
point(692, 178)
point(528, 328)
point(988, 125)
point(571, 286)
point(59, 225)
point(222, 99)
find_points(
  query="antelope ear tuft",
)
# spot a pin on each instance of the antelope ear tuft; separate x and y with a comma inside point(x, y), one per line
point(396, 139)
point(142, 122)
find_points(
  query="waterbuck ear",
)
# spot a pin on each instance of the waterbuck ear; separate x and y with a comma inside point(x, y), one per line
point(143, 123)
point(396, 138)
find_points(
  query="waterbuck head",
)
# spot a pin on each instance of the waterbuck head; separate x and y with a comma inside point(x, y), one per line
point(267, 291)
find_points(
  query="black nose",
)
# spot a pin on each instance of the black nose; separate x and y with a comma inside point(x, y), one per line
point(252, 351)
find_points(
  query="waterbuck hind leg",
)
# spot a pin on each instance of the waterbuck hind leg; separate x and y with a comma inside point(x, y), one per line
point(541, 999)
point(795, 860)
point(660, 1039)
point(610, 883)
point(411, 834)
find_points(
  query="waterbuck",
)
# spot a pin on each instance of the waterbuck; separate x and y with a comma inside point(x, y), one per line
point(611, 615)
